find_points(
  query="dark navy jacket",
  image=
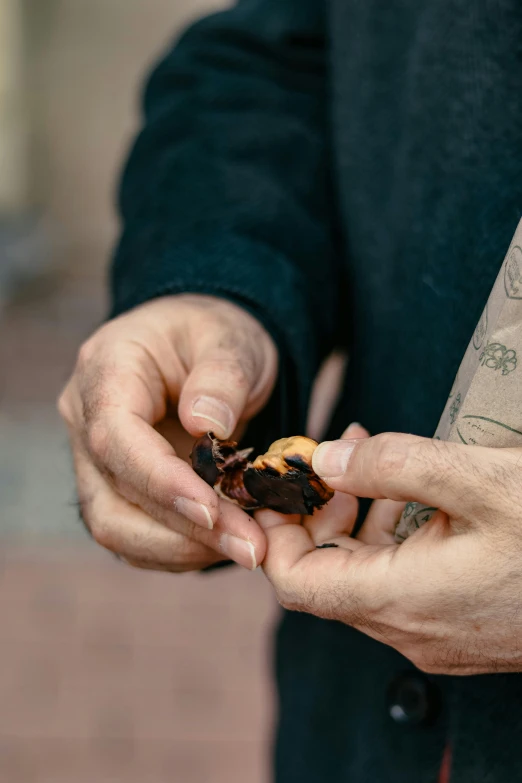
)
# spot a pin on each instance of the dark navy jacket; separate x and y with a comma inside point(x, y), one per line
point(350, 171)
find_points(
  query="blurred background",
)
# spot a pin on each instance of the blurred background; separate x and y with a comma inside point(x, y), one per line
point(106, 673)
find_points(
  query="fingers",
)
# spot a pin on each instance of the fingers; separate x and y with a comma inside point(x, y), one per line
point(140, 538)
point(239, 537)
point(216, 394)
point(289, 563)
point(143, 467)
point(379, 525)
point(355, 431)
point(131, 368)
point(325, 393)
point(350, 581)
point(346, 583)
point(457, 478)
point(336, 518)
point(233, 371)
point(128, 531)
point(287, 541)
point(126, 376)
point(110, 405)
point(170, 492)
point(111, 412)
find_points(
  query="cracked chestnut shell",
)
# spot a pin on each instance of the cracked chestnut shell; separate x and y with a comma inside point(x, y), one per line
point(282, 479)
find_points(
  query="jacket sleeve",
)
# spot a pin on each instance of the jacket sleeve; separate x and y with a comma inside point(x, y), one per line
point(227, 189)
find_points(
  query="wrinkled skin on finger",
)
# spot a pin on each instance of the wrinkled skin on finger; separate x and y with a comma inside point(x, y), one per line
point(448, 597)
point(144, 386)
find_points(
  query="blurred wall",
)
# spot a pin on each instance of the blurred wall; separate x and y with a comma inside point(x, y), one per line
point(81, 64)
point(13, 111)
point(87, 60)
point(106, 673)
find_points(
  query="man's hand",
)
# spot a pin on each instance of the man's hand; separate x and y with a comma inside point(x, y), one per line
point(449, 597)
point(144, 386)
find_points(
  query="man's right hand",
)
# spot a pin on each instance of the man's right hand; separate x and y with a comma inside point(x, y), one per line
point(145, 385)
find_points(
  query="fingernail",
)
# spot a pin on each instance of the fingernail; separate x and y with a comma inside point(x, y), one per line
point(353, 427)
point(330, 459)
point(239, 550)
point(216, 412)
point(194, 511)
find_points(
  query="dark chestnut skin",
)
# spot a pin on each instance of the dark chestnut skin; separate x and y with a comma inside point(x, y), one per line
point(282, 479)
point(220, 464)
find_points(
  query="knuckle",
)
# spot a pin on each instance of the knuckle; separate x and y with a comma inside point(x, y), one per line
point(98, 440)
point(185, 549)
point(239, 372)
point(85, 353)
point(436, 464)
point(103, 535)
point(94, 393)
point(288, 598)
point(191, 555)
point(427, 666)
point(64, 406)
point(390, 459)
point(129, 470)
point(242, 371)
point(153, 483)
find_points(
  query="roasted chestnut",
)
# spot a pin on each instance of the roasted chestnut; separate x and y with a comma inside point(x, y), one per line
point(282, 479)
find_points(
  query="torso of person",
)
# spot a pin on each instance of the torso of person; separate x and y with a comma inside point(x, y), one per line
point(426, 120)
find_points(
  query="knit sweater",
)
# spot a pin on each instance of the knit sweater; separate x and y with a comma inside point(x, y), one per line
point(350, 172)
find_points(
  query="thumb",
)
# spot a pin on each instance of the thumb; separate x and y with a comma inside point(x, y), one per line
point(347, 583)
point(401, 467)
point(231, 378)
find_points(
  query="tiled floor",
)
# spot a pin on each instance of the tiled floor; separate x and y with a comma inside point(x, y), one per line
point(106, 674)
point(109, 674)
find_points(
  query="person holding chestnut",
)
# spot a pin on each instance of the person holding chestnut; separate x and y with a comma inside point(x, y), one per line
point(314, 175)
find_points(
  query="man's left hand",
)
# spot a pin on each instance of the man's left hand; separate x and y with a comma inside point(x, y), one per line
point(450, 597)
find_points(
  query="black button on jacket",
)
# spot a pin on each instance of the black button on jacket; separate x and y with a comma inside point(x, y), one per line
point(351, 172)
